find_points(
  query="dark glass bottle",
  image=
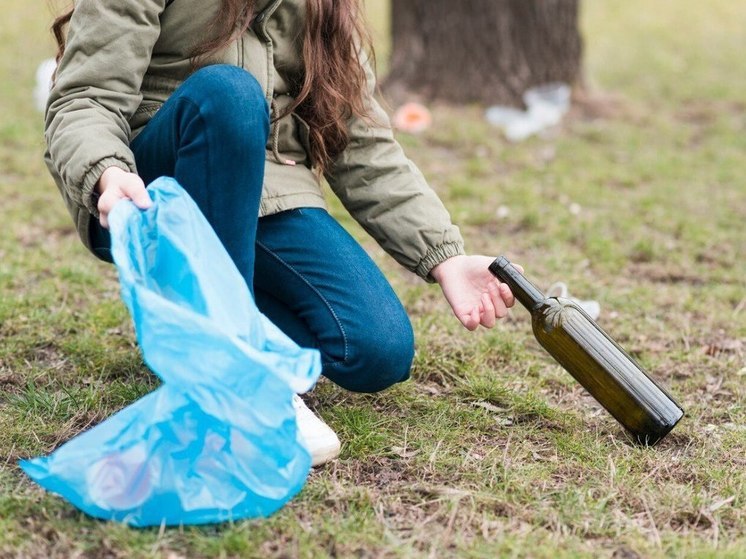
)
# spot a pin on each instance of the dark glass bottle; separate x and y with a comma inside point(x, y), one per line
point(596, 361)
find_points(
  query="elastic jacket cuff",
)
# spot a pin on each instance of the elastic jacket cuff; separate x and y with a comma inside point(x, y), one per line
point(437, 255)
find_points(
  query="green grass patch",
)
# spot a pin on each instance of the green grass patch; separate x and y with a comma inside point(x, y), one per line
point(490, 450)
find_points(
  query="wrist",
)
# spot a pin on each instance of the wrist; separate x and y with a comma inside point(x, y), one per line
point(441, 270)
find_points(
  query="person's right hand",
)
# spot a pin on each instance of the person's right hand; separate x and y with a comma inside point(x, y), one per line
point(116, 184)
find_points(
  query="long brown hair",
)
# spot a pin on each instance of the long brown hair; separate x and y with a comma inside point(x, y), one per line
point(333, 88)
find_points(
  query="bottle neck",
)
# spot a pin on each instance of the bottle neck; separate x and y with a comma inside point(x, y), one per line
point(523, 290)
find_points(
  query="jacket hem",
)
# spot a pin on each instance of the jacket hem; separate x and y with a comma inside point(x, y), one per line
point(276, 204)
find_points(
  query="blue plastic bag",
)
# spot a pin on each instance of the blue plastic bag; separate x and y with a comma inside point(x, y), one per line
point(218, 439)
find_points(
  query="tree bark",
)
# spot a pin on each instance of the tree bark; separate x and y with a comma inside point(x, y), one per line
point(487, 51)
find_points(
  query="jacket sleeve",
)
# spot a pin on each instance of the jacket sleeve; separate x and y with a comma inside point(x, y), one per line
point(387, 194)
point(108, 50)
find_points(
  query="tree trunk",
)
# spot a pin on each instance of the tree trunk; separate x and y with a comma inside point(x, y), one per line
point(487, 51)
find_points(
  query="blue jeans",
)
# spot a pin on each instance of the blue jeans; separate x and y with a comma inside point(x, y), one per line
point(307, 274)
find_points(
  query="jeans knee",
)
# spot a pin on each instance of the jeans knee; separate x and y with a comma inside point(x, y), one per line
point(376, 360)
point(231, 99)
point(231, 85)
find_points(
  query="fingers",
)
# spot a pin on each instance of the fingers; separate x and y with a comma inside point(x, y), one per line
point(487, 316)
point(474, 294)
point(497, 295)
point(471, 320)
point(105, 204)
point(491, 307)
point(134, 189)
point(506, 295)
point(122, 186)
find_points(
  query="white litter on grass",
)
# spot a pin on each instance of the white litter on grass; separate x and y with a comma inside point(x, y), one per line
point(502, 212)
point(44, 74)
point(546, 105)
point(559, 289)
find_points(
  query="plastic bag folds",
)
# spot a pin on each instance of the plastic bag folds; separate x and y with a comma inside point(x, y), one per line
point(217, 441)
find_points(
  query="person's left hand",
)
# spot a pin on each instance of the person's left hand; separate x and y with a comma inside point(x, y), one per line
point(475, 295)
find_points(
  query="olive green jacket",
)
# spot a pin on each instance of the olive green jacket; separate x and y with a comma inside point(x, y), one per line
point(124, 58)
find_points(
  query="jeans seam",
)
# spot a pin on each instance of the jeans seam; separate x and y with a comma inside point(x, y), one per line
point(318, 293)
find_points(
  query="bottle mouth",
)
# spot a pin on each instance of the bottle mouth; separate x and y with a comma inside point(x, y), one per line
point(524, 291)
point(500, 263)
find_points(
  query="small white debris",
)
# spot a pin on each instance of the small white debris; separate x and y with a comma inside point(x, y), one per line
point(546, 105)
point(722, 503)
point(44, 74)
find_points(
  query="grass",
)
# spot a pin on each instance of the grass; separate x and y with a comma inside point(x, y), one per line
point(638, 200)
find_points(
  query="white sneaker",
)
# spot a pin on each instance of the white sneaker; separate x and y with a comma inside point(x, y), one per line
point(321, 442)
